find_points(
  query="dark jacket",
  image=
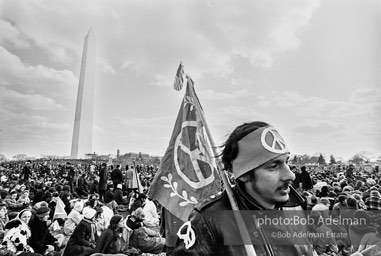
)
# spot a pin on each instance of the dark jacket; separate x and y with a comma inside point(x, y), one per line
point(66, 201)
point(118, 196)
point(306, 180)
point(108, 243)
point(79, 243)
point(41, 236)
point(38, 196)
point(26, 171)
point(103, 175)
point(117, 176)
point(216, 231)
point(134, 223)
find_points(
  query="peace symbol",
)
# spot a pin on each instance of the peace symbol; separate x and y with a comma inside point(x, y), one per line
point(203, 153)
point(272, 141)
point(189, 236)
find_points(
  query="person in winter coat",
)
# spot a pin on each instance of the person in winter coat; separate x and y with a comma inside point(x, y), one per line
point(102, 185)
point(18, 234)
point(116, 176)
point(74, 218)
point(130, 179)
point(305, 179)
point(41, 239)
point(83, 240)
point(143, 238)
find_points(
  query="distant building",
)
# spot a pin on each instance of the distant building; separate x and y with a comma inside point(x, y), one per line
point(130, 157)
point(139, 158)
point(96, 157)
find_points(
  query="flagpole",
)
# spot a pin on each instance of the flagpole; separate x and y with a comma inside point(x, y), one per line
point(250, 251)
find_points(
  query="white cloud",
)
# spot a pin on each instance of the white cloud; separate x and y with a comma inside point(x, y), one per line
point(144, 32)
point(17, 101)
point(10, 34)
point(366, 95)
point(290, 63)
point(34, 79)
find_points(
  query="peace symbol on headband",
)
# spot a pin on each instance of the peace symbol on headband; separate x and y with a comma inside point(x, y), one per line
point(272, 141)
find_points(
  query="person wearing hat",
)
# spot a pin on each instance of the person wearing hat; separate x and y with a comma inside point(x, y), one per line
point(257, 156)
point(373, 202)
point(82, 242)
point(74, 217)
point(18, 233)
point(41, 240)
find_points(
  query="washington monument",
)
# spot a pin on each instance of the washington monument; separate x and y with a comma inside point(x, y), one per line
point(83, 121)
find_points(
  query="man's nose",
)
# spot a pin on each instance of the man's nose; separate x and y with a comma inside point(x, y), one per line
point(287, 174)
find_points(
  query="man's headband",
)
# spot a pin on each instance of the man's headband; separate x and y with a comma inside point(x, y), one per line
point(257, 148)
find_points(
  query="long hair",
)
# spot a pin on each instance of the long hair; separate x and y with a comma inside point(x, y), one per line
point(114, 222)
point(108, 196)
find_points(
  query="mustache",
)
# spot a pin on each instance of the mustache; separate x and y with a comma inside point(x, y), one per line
point(285, 186)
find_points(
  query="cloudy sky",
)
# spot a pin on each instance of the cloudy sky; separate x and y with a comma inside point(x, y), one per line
point(311, 68)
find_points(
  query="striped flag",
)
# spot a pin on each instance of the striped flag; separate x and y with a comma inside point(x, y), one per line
point(178, 84)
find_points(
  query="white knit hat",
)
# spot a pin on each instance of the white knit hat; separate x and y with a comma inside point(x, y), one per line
point(78, 205)
point(88, 212)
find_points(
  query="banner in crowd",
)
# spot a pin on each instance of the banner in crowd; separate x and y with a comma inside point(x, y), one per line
point(188, 169)
point(59, 212)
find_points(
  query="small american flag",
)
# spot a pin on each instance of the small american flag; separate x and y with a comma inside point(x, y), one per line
point(178, 84)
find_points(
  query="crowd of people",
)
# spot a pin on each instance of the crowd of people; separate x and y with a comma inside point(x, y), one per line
point(54, 208)
point(348, 194)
